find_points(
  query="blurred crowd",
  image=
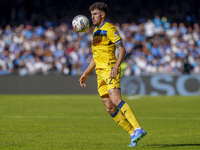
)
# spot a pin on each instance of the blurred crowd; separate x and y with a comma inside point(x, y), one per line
point(152, 46)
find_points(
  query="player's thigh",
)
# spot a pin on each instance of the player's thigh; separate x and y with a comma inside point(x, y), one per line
point(105, 82)
point(106, 101)
point(115, 96)
point(101, 82)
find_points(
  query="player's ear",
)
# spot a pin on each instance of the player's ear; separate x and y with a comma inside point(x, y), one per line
point(103, 14)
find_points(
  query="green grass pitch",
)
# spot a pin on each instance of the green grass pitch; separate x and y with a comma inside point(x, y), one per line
point(80, 122)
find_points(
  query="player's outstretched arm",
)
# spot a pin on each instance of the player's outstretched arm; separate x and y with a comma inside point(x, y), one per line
point(86, 72)
point(120, 58)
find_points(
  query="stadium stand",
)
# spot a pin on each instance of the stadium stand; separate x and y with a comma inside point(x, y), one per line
point(43, 42)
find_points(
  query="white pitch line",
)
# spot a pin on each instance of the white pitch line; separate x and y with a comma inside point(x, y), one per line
point(54, 117)
point(94, 117)
point(132, 97)
point(168, 118)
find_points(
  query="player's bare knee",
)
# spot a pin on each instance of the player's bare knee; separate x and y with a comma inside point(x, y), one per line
point(111, 110)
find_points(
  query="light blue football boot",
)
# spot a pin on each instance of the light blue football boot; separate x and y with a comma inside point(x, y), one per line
point(133, 144)
point(138, 134)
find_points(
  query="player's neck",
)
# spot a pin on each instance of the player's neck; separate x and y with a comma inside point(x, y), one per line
point(101, 24)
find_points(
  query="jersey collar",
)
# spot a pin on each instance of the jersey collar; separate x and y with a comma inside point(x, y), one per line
point(101, 25)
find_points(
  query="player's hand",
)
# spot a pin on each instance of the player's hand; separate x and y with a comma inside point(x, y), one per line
point(82, 80)
point(113, 72)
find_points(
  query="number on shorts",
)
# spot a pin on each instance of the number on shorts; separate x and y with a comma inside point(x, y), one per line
point(109, 82)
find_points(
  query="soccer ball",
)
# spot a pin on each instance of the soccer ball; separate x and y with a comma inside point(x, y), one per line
point(80, 23)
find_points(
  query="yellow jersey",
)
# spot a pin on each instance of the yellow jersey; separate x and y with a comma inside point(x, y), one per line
point(103, 44)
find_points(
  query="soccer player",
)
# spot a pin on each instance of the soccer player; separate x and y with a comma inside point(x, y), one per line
point(105, 40)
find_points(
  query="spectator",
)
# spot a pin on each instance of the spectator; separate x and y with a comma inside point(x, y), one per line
point(186, 67)
point(30, 50)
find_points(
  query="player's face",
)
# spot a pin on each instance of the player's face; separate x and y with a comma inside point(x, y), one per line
point(97, 17)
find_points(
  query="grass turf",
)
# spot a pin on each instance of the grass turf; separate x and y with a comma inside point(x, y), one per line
point(80, 122)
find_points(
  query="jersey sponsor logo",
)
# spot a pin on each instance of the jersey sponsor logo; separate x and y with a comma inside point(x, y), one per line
point(96, 40)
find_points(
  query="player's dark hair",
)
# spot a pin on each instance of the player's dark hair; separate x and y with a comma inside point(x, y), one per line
point(99, 5)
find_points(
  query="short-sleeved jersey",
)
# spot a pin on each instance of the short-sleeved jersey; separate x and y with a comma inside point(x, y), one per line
point(103, 44)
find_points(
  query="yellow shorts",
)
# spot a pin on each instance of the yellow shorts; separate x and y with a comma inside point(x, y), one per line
point(104, 81)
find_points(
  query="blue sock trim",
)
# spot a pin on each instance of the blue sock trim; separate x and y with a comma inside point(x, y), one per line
point(115, 113)
point(121, 104)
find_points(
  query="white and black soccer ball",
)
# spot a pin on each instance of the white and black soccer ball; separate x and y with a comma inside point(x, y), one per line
point(80, 23)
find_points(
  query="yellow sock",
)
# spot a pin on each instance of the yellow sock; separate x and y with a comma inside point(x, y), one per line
point(127, 111)
point(122, 121)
